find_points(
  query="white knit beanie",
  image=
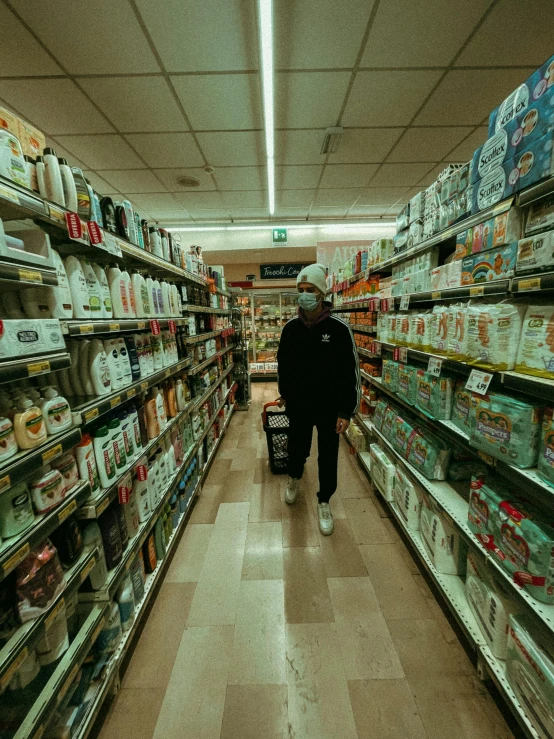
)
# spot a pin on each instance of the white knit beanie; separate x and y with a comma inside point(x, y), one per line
point(314, 274)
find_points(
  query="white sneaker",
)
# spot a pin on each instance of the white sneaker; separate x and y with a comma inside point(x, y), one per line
point(292, 490)
point(326, 525)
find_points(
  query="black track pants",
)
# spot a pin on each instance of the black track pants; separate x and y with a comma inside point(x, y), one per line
point(299, 444)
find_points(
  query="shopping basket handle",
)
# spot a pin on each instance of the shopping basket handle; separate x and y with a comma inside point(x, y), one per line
point(264, 412)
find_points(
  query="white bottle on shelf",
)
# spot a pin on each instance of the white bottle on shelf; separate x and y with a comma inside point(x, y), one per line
point(112, 356)
point(53, 177)
point(84, 362)
point(157, 352)
point(160, 408)
point(158, 297)
point(74, 373)
point(118, 291)
point(166, 303)
point(100, 272)
point(59, 298)
point(68, 184)
point(103, 452)
point(41, 177)
point(124, 361)
point(56, 412)
point(152, 296)
point(130, 293)
point(98, 368)
point(78, 287)
point(142, 304)
point(94, 289)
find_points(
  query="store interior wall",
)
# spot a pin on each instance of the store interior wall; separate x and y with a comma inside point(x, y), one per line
point(239, 263)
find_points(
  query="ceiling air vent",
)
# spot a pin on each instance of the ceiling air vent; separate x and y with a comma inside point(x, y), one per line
point(331, 140)
point(188, 181)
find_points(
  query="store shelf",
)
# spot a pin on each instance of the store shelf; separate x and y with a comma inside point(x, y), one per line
point(495, 287)
point(18, 202)
point(541, 190)
point(208, 463)
point(64, 675)
point(90, 410)
point(202, 365)
point(16, 548)
point(366, 353)
point(533, 283)
point(24, 463)
point(26, 274)
point(205, 309)
point(363, 329)
point(199, 338)
point(21, 369)
point(116, 325)
point(23, 641)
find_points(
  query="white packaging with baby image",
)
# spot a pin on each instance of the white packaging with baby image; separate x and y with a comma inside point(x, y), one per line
point(382, 471)
point(407, 497)
point(439, 329)
point(536, 346)
point(440, 539)
point(457, 332)
point(493, 335)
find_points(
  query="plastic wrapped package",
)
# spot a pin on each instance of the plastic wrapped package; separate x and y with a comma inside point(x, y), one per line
point(421, 330)
point(39, 580)
point(439, 329)
point(545, 464)
point(440, 539)
point(55, 641)
point(483, 499)
point(403, 332)
point(388, 422)
point(536, 347)
point(379, 413)
point(111, 633)
point(401, 434)
point(461, 407)
point(433, 395)
point(493, 335)
point(382, 327)
point(391, 326)
point(407, 382)
point(428, 454)
point(389, 378)
point(407, 497)
point(457, 332)
point(382, 470)
point(506, 428)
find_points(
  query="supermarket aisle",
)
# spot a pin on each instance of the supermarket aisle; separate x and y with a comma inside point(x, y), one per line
point(263, 628)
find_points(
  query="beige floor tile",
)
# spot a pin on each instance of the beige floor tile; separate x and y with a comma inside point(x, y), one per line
point(263, 553)
point(153, 658)
point(319, 703)
point(447, 631)
point(399, 596)
point(265, 502)
point(230, 514)
point(367, 524)
point(133, 714)
point(255, 712)
point(299, 523)
point(365, 641)
point(385, 709)
point(244, 459)
point(259, 643)
point(206, 506)
point(189, 556)
point(262, 472)
point(238, 487)
point(218, 471)
point(307, 597)
point(195, 698)
point(215, 599)
point(341, 555)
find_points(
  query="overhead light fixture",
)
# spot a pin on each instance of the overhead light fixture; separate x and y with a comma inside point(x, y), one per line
point(373, 225)
point(331, 140)
point(265, 16)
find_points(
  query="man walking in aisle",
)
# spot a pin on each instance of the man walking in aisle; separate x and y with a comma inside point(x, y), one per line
point(319, 383)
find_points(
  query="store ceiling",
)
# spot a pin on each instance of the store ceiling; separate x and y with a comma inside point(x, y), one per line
point(141, 93)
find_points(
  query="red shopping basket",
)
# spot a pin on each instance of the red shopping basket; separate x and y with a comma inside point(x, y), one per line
point(276, 427)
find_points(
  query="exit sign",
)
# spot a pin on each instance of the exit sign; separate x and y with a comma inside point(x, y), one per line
point(279, 235)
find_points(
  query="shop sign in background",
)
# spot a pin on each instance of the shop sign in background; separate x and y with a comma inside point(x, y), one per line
point(280, 271)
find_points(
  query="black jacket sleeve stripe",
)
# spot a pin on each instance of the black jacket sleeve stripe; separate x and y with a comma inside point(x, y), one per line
point(357, 376)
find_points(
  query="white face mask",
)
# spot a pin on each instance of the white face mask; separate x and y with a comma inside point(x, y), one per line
point(308, 301)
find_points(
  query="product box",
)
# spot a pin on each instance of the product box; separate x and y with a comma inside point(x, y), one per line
point(494, 264)
point(540, 215)
point(9, 121)
point(440, 539)
point(31, 139)
point(502, 229)
point(407, 498)
point(382, 471)
point(464, 241)
point(519, 100)
point(535, 253)
point(31, 246)
point(415, 233)
point(20, 338)
point(403, 218)
point(454, 274)
point(401, 241)
point(416, 207)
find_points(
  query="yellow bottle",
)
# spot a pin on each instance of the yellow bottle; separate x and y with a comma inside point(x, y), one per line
point(29, 426)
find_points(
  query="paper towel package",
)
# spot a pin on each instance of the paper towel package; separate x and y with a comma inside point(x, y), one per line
point(407, 497)
point(534, 87)
point(530, 669)
point(535, 253)
point(440, 539)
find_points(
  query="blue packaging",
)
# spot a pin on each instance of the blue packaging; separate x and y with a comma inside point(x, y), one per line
point(494, 264)
point(529, 166)
point(519, 100)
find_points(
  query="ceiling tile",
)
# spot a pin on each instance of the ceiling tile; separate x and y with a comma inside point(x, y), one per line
point(102, 152)
point(305, 177)
point(368, 210)
point(388, 98)
point(328, 38)
point(169, 215)
point(465, 97)
point(420, 34)
point(210, 214)
point(64, 154)
point(309, 99)
point(136, 103)
point(56, 106)
point(133, 180)
point(396, 175)
point(464, 151)
point(241, 178)
point(203, 36)
point(380, 195)
point(245, 199)
point(294, 198)
point(284, 212)
point(155, 200)
point(99, 183)
point(199, 200)
point(90, 38)
point(320, 212)
point(235, 148)
point(359, 145)
point(246, 213)
point(221, 101)
point(344, 197)
point(167, 149)
point(347, 175)
point(170, 176)
point(20, 53)
point(395, 209)
point(427, 144)
point(519, 34)
point(299, 147)
point(431, 176)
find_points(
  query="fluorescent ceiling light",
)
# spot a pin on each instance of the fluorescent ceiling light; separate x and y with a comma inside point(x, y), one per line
point(376, 225)
point(266, 48)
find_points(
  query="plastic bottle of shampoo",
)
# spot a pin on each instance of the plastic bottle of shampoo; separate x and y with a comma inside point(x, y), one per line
point(68, 184)
point(78, 287)
point(56, 412)
point(142, 306)
point(53, 177)
point(114, 427)
point(133, 357)
point(103, 452)
point(84, 453)
point(152, 420)
point(118, 291)
point(124, 361)
point(59, 298)
point(98, 368)
point(130, 293)
point(94, 289)
point(41, 177)
point(100, 272)
point(84, 367)
point(8, 444)
point(112, 355)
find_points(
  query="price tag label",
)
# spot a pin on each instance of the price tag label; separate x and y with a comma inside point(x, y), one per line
point(102, 506)
point(114, 327)
point(404, 302)
point(385, 305)
point(396, 354)
point(115, 401)
point(491, 461)
point(53, 615)
point(155, 327)
point(11, 563)
point(16, 664)
point(5, 192)
point(56, 214)
point(29, 275)
point(172, 327)
point(94, 233)
point(86, 328)
point(436, 295)
point(479, 290)
point(403, 354)
point(527, 285)
point(141, 325)
point(124, 489)
point(142, 472)
point(131, 393)
point(90, 415)
point(62, 515)
point(52, 453)
point(435, 366)
point(74, 226)
point(5, 482)
point(88, 569)
point(38, 368)
point(144, 386)
point(109, 243)
point(478, 382)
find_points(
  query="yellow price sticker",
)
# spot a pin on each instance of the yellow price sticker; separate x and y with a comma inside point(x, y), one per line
point(144, 386)
point(89, 415)
point(11, 563)
point(29, 275)
point(103, 505)
point(114, 326)
point(141, 325)
point(115, 401)
point(131, 393)
point(531, 284)
point(49, 620)
point(38, 368)
point(52, 453)
point(5, 482)
point(56, 214)
point(436, 295)
point(62, 515)
point(5, 192)
point(88, 569)
point(479, 290)
point(86, 328)
point(13, 668)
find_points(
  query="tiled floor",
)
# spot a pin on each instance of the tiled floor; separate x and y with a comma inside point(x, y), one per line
point(264, 629)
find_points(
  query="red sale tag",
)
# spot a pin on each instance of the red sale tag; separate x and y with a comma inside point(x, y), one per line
point(172, 327)
point(142, 472)
point(74, 226)
point(124, 489)
point(396, 354)
point(95, 233)
point(155, 327)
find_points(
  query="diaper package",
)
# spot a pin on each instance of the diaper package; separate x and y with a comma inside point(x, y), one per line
point(382, 471)
point(401, 434)
point(536, 346)
point(506, 428)
point(504, 228)
point(545, 464)
point(464, 465)
point(464, 241)
point(530, 669)
point(456, 347)
point(428, 453)
point(407, 377)
point(535, 253)
point(403, 337)
point(493, 335)
point(379, 413)
point(439, 329)
point(388, 422)
point(461, 407)
point(421, 331)
point(540, 215)
point(434, 395)
point(407, 497)
point(484, 500)
point(440, 539)
point(389, 377)
point(494, 264)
